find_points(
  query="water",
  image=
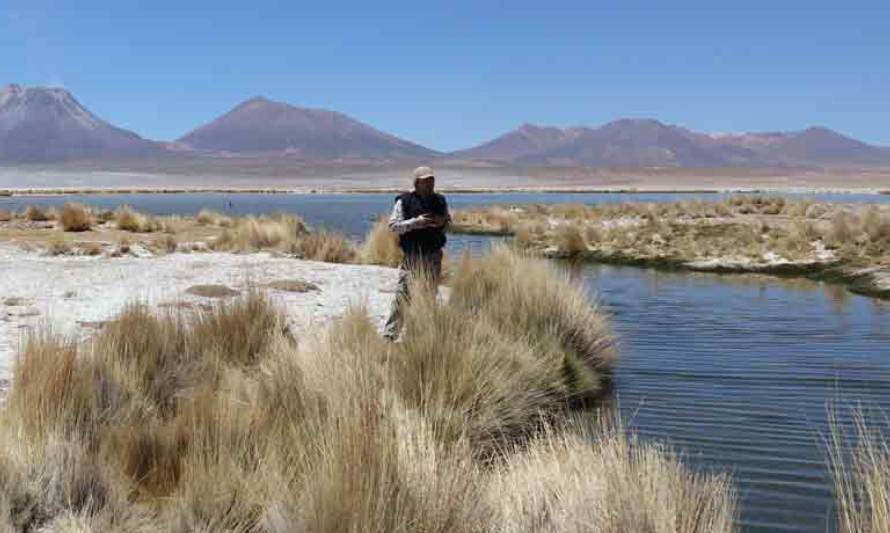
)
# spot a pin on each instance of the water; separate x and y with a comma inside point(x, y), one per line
point(352, 213)
point(736, 371)
point(739, 371)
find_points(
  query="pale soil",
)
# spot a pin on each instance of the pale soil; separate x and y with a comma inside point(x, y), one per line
point(299, 179)
point(74, 295)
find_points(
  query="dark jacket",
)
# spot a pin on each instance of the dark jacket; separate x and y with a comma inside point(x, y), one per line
point(424, 240)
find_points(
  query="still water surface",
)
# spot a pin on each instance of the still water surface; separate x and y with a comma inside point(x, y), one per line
point(736, 371)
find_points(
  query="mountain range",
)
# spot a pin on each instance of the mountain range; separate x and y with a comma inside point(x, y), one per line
point(48, 125)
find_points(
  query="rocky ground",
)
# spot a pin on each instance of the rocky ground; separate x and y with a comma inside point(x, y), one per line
point(75, 295)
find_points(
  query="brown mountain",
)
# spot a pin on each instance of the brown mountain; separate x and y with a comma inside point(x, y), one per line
point(646, 142)
point(39, 124)
point(264, 127)
point(812, 146)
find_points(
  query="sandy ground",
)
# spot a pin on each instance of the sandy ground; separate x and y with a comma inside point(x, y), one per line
point(73, 294)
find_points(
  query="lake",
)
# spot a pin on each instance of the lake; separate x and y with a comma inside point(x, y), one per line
point(736, 371)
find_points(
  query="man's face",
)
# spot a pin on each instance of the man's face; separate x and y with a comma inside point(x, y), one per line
point(425, 187)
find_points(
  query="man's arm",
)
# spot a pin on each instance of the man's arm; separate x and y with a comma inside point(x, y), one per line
point(447, 214)
point(397, 221)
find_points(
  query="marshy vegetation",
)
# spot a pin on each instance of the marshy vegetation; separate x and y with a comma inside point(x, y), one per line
point(742, 233)
point(221, 420)
point(126, 230)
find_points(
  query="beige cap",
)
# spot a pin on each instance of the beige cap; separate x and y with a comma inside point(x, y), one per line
point(422, 173)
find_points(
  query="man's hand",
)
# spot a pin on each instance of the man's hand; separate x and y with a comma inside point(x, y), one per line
point(431, 221)
point(439, 220)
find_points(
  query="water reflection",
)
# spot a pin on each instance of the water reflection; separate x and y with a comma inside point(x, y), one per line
point(762, 285)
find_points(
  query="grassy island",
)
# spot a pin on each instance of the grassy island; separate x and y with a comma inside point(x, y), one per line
point(841, 243)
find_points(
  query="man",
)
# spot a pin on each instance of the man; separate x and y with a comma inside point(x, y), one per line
point(419, 218)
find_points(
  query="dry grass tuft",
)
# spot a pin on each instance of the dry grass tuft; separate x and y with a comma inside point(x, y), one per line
point(37, 214)
point(285, 233)
point(5, 215)
point(606, 481)
point(381, 246)
point(76, 217)
point(860, 467)
point(206, 217)
point(129, 219)
point(166, 244)
point(324, 245)
point(217, 420)
point(569, 240)
point(529, 299)
point(57, 244)
point(259, 233)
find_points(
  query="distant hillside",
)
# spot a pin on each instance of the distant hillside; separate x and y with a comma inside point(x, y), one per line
point(646, 142)
point(812, 146)
point(48, 125)
point(261, 126)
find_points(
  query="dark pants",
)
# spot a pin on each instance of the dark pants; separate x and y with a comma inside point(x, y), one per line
point(428, 265)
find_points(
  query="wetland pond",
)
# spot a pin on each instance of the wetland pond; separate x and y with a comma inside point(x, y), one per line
point(735, 371)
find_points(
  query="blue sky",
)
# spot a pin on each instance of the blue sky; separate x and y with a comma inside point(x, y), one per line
point(456, 73)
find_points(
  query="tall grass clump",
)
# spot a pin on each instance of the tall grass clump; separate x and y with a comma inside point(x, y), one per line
point(219, 420)
point(527, 298)
point(76, 217)
point(37, 214)
point(569, 240)
point(381, 246)
point(860, 467)
point(324, 245)
point(128, 219)
point(206, 217)
point(285, 233)
point(605, 481)
point(258, 233)
point(470, 380)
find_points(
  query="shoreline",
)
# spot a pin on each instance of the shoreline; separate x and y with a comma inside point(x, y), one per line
point(828, 242)
point(864, 281)
point(69, 191)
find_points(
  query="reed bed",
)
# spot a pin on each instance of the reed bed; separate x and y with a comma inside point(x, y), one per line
point(219, 420)
point(283, 233)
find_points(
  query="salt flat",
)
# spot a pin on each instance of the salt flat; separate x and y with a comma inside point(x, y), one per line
point(74, 295)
